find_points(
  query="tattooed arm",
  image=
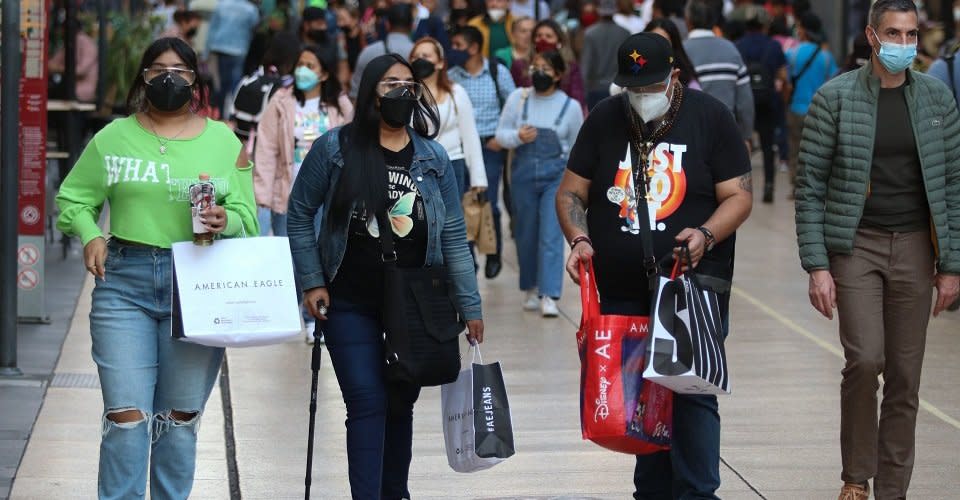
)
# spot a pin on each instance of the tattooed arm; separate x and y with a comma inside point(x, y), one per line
point(735, 200)
point(572, 197)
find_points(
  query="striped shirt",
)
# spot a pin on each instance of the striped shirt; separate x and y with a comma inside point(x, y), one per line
point(722, 74)
point(483, 94)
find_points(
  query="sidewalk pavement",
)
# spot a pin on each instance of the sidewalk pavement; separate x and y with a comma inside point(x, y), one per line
point(38, 350)
point(781, 425)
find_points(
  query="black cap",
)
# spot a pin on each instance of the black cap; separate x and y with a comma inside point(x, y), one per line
point(643, 59)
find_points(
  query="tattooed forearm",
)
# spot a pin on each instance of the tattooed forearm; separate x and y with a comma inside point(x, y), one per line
point(746, 182)
point(576, 211)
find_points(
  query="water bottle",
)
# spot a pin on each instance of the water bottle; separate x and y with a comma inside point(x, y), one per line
point(202, 197)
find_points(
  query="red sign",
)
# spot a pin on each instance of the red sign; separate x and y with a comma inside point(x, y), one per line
point(33, 117)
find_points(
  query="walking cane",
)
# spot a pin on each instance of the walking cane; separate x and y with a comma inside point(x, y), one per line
point(315, 367)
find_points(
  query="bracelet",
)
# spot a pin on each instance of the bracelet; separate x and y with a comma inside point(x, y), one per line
point(711, 239)
point(579, 239)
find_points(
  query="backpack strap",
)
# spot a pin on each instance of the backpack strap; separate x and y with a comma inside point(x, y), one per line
point(493, 66)
point(795, 78)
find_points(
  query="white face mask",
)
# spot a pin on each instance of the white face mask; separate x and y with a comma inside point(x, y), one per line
point(956, 13)
point(650, 106)
point(496, 14)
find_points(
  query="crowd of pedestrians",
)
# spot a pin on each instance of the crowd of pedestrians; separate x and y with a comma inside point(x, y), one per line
point(600, 129)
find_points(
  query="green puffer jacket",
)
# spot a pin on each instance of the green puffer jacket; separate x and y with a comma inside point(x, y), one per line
point(836, 153)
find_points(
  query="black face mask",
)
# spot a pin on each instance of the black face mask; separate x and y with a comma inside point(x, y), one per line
point(168, 92)
point(382, 13)
point(422, 68)
point(192, 32)
point(345, 29)
point(396, 108)
point(318, 36)
point(458, 13)
point(542, 81)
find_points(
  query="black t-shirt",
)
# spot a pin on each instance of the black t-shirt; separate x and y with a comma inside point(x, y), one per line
point(703, 148)
point(360, 277)
point(897, 201)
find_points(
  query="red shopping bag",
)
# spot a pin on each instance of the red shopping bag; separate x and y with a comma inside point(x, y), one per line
point(618, 409)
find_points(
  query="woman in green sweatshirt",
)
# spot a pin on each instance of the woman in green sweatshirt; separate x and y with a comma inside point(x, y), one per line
point(154, 387)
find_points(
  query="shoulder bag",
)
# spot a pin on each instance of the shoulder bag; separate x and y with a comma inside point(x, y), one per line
point(420, 320)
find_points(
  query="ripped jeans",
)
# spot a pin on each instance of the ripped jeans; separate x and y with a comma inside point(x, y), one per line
point(163, 383)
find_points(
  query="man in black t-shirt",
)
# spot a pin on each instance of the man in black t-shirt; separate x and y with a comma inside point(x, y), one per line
point(699, 191)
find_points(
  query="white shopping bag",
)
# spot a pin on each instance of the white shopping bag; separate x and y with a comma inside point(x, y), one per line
point(686, 352)
point(235, 293)
point(477, 425)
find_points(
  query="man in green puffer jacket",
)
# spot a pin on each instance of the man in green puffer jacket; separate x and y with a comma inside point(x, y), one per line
point(878, 225)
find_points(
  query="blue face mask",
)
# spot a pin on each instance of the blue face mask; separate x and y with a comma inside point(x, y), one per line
point(306, 79)
point(457, 57)
point(896, 57)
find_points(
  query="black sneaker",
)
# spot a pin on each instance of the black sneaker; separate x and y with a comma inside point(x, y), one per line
point(493, 267)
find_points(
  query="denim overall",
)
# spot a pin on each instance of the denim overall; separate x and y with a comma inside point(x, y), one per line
point(535, 177)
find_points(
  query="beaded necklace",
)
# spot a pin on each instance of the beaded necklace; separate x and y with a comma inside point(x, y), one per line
point(643, 145)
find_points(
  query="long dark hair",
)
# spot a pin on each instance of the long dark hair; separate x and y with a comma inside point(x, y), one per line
point(136, 97)
point(364, 175)
point(330, 88)
point(687, 73)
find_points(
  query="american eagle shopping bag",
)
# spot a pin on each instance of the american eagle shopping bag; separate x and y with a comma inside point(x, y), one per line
point(234, 293)
point(619, 410)
point(477, 426)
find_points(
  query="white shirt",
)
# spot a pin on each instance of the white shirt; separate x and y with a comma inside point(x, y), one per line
point(458, 134)
point(309, 123)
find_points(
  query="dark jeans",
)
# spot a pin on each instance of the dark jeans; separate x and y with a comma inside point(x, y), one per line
point(230, 69)
point(691, 468)
point(765, 123)
point(379, 415)
point(494, 161)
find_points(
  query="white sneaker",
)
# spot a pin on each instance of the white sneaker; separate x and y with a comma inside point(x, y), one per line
point(308, 328)
point(532, 302)
point(548, 307)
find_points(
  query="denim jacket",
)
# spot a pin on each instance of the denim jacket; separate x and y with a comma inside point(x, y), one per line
point(317, 260)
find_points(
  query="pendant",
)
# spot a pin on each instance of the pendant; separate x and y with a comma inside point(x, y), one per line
point(163, 149)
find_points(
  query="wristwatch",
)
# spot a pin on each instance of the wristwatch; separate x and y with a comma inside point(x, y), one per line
point(711, 239)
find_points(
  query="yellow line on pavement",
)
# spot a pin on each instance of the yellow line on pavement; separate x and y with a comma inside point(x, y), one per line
point(827, 346)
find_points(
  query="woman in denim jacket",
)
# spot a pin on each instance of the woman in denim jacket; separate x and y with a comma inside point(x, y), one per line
point(393, 167)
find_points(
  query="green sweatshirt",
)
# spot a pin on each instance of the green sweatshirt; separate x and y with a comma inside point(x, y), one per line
point(148, 192)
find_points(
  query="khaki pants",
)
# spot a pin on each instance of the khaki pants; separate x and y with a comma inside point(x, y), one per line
point(884, 295)
point(795, 129)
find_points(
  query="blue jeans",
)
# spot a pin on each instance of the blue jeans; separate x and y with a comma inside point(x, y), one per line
point(271, 221)
point(494, 161)
point(142, 368)
point(535, 177)
point(230, 69)
point(691, 468)
point(379, 415)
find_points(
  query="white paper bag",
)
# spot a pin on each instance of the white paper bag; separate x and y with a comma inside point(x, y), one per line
point(235, 293)
point(463, 404)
